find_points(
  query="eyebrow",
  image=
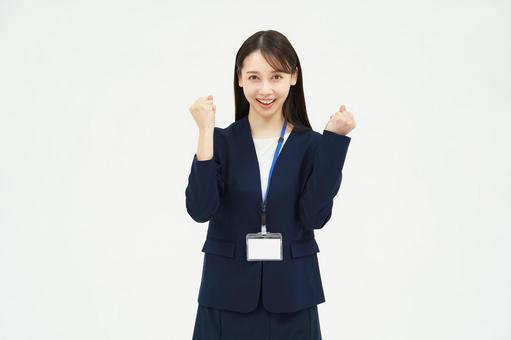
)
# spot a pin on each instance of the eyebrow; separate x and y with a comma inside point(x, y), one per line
point(258, 72)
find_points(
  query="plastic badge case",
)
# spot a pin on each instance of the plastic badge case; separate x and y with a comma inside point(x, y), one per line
point(264, 247)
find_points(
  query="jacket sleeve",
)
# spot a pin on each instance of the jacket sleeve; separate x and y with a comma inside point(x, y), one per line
point(324, 180)
point(205, 185)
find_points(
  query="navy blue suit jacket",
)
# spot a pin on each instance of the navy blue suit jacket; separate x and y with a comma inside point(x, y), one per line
point(226, 191)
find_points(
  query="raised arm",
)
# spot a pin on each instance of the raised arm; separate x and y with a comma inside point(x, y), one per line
point(324, 179)
point(205, 182)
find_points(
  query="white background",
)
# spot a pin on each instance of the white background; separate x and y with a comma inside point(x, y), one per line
point(96, 144)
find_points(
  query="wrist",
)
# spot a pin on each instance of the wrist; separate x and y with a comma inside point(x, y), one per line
point(206, 131)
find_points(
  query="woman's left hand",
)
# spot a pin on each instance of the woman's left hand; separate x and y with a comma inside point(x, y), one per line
point(341, 122)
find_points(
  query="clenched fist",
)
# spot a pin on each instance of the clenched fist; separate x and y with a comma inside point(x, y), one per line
point(203, 111)
point(341, 122)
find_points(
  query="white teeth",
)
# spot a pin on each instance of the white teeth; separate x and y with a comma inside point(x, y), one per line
point(266, 101)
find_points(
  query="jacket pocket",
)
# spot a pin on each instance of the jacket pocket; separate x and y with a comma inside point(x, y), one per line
point(304, 247)
point(219, 247)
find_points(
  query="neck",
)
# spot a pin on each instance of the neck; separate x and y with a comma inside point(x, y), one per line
point(262, 127)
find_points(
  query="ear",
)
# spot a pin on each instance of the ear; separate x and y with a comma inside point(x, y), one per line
point(294, 76)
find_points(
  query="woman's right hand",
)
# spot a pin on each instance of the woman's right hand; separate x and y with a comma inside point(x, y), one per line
point(203, 111)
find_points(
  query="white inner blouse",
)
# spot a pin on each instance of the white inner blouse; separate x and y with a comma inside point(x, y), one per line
point(265, 148)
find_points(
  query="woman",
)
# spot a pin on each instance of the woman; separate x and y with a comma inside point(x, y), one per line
point(260, 276)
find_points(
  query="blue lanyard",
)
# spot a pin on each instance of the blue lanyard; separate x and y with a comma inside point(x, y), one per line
point(275, 156)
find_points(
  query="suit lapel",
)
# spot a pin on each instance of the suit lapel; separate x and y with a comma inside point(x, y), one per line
point(250, 157)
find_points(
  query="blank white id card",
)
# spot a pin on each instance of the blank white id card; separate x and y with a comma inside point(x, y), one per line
point(264, 247)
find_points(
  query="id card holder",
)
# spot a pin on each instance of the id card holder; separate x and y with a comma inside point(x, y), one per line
point(264, 247)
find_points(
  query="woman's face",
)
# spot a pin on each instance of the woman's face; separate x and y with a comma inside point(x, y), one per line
point(261, 82)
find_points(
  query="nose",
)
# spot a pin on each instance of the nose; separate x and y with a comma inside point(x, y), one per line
point(266, 89)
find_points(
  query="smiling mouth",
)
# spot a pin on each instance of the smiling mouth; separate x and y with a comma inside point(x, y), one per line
point(266, 103)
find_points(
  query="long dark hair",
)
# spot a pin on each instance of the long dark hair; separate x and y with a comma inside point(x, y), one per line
point(280, 54)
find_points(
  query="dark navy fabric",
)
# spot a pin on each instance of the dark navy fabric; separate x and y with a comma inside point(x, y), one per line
point(217, 324)
point(259, 324)
point(226, 191)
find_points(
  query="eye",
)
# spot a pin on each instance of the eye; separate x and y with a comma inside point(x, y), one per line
point(277, 75)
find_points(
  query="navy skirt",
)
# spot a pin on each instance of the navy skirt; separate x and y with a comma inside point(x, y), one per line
point(217, 324)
